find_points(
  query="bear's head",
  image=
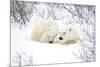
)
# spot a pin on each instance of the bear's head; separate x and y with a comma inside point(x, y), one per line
point(52, 33)
point(67, 35)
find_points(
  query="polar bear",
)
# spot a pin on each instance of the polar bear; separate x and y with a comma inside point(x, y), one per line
point(49, 31)
point(44, 31)
point(67, 35)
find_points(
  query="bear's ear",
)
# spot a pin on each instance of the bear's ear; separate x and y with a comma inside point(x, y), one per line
point(70, 29)
point(57, 29)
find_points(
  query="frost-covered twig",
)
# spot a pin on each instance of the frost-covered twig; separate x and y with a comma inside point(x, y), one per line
point(21, 11)
point(22, 59)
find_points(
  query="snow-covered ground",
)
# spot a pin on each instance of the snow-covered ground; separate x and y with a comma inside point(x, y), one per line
point(42, 53)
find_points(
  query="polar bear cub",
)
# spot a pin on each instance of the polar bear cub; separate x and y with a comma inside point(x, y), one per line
point(67, 35)
point(44, 31)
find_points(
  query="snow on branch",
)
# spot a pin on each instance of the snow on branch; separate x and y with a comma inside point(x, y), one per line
point(22, 59)
point(21, 11)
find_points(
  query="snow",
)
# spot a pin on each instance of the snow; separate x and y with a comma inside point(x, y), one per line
point(42, 53)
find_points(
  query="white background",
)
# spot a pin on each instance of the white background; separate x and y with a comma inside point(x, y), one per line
point(5, 34)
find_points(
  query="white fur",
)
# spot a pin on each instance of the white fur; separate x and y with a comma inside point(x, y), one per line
point(44, 31)
point(47, 31)
point(68, 33)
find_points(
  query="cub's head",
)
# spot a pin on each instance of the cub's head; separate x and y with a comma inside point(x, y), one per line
point(52, 33)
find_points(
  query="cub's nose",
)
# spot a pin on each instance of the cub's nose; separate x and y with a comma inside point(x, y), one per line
point(50, 41)
point(60, 38)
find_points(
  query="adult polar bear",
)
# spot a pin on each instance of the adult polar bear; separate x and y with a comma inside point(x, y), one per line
point(51, 32)
point(44, 31)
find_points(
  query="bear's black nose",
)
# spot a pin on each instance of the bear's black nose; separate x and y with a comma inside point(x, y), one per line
point(50, 41)
point(60, 38)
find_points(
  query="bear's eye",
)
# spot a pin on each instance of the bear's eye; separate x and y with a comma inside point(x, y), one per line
point(59, 32)
point(64, 32)
point(70, 29)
